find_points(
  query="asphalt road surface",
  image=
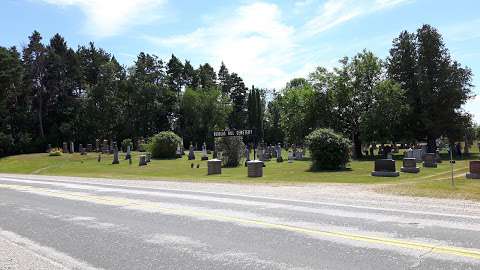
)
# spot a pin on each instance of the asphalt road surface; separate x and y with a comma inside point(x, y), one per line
point(74, 223)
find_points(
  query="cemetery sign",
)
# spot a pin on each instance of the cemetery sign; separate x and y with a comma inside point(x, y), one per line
point(228, 133)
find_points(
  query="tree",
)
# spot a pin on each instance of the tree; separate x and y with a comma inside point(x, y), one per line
point(203, 112)
point(34, 64)
point(295, 106)
point(190, 76)
point(207, 76)
point(238, 97)
point(353, 92)
point(273, 131)
point(255, 112)
point(383, 121)
point(224, 80)
point(175, 74)
point(438, 87)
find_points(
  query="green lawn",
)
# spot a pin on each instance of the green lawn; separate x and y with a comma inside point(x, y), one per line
point(429, 182)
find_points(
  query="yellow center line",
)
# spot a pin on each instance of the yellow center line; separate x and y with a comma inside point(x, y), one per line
point(146, 205)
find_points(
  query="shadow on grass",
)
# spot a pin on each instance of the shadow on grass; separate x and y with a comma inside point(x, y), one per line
point(329, 171)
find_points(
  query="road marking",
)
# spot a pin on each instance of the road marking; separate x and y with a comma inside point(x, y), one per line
point(202, 193)
point(153, 206)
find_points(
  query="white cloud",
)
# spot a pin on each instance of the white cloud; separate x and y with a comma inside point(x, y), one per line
point(111, 17)
point(335, 12)
point(253, 42)
point(473, 107)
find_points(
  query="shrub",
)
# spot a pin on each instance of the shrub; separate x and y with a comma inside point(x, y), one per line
point(164, 144)
point(55, 153)
point(232, 150)
point(329, 150)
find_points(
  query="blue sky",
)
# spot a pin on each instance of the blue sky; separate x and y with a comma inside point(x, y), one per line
point(265, 42)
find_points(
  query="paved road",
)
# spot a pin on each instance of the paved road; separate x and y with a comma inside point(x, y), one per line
point(73, 223)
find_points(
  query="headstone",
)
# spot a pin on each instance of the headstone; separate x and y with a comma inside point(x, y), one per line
point(410, 166)
point(191, 153)
point(255, 168)
point(260, 153)
point(72, 148)
point(115, 154)
point(247, 153)
point(82, 150)
point(129, 153)
point(474, 172)
point(89, 147)
point(385, 168)
point(290, 157)
point(49, 148)
point(299, 154)
point(389, 155)
point(438, 157)
point(204, 152)
point(97, 145)
point(148, 156)
point(278, 152)
point(105, 147)
point(429, 160)
point(214, 166)
point(142, 160)
point(179, 151)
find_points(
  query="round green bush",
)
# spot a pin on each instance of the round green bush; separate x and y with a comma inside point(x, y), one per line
point(329, 150)
point(164, 145)
point(232, 149)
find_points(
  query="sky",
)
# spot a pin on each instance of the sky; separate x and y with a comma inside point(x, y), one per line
point(266, 42)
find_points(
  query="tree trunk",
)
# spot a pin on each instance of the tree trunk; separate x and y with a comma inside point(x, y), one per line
point(40, 117)
point(357, 146)
point(431, 144)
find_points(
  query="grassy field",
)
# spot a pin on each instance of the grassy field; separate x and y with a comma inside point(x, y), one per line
point(429, 182)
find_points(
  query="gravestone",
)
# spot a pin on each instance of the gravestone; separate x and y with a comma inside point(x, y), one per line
point(410, 166)
point(255, 168)
point(438, 158)
point(148, 156)
point(385, 168)
point(204, 152)
point(247, 153)
point(72, 148)
point(260, 153)
point(115, 154)
point(415, 153)
point(142, 160)
point(191, 153)
point(278, 152)
point(89, 147)
point(129, 153)
point(97, 145)
point(214, 166)
point(290, 157)
point(105, 148)
point(474, 172)
point(299, 154)
point(429, 160)
point(49, 148)
point(179, 151)
point(82, 150)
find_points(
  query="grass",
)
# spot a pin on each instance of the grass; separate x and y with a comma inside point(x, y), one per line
point(429, 182)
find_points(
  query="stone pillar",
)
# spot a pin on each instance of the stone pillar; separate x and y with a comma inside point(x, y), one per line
point(214, 166)
point(129, 153)
point(115, 154)
point(72, 148)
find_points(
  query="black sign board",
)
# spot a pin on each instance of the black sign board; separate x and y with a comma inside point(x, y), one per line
point(227, 133)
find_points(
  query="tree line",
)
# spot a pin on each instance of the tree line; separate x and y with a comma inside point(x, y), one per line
point(51, 93)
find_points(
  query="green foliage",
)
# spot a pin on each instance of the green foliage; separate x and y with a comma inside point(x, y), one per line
point(329, 150)
point(232, 150)
point(164, 145)
point(55, 153)
point(437, 86)
point(202, 112)
point(255, 112)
